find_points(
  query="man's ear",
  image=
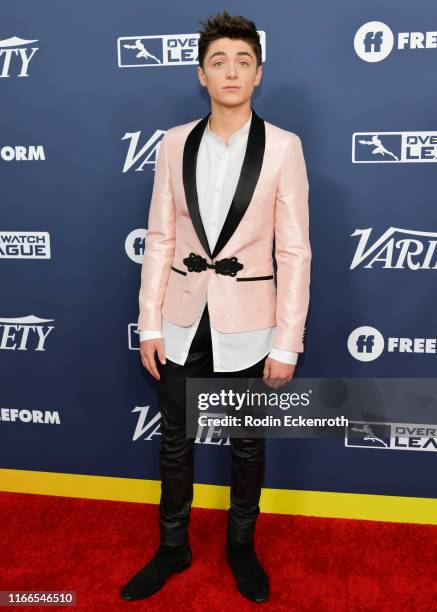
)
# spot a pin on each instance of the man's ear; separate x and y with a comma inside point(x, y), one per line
point(201, 76)
point(258, 75)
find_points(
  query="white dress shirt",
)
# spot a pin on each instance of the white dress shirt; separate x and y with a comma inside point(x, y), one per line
point(217, 172)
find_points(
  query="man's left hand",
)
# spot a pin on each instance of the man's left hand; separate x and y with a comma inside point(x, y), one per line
point(276, 373)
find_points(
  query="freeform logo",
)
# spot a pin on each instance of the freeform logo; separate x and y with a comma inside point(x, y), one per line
point(16, 56)
point(22, 153)
point(374, 41)
point(25, 245)
point(394, 147)
point(147, 428)
point(396, 249)
point(391, 436)
point(147, 154)
point(162, 50)
point(135, 244)
point(47, 417)
point(366, 343)
point(24, 333)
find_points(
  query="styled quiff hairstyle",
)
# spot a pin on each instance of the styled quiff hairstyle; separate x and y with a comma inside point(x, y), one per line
point(224, 25)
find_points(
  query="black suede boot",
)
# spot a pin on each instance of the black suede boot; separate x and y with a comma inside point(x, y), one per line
point(252, 581)
point(152, 577)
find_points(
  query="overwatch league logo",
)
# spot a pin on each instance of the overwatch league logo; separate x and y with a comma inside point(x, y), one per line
point(394, 147)
point(369, 435)
point(366, 343)
point(25, 245)
point(176, 49)
point(162, 50)
point(374, 41)
point(394, 436)
point(15, 56)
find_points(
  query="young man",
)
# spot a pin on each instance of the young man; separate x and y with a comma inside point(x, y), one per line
point(225, 186)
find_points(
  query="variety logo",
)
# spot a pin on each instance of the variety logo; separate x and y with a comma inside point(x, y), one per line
point(147, 154)
point(135, 245)
point(396, 249)
point(25, 245)
point(21, 153)
point(149, 427)
point(374, 41)
point(46, 417)
point(394, 147)
point(366, 343)
point(15, 56)
point(162, 50)
point(24, 333)
point(394, 436)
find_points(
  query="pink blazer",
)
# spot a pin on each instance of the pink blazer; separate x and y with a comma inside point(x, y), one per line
point(270, 202)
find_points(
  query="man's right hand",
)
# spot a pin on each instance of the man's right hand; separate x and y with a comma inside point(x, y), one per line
point(147, 353)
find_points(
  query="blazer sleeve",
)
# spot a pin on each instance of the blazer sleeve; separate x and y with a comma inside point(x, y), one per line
point(159, 245)
point(292, 249)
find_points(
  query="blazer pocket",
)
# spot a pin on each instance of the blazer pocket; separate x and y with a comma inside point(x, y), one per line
point(180, 271)
point(254, 278)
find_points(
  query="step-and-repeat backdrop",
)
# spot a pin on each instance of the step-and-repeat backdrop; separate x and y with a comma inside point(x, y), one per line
point(87, 92)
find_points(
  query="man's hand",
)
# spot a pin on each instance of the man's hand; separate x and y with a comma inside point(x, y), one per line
point(147, 353)
point(276, 373)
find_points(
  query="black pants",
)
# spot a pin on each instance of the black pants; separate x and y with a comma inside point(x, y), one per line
point(177, 451)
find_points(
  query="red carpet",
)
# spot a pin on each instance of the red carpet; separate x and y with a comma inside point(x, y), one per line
point(315, 564)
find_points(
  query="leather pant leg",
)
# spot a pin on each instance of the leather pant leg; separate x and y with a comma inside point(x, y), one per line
point(248, 469)
point(176, 450)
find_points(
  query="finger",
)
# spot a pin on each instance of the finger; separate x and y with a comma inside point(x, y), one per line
point(152, 364)
point(152, 368)
point(161, 353)
point(145, 363)
point(266, 371)
point(276, 382)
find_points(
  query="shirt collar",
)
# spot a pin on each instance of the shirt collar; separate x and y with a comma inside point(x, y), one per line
point(243, 131)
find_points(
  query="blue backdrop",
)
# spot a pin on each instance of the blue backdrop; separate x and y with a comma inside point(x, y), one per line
point(83, 110)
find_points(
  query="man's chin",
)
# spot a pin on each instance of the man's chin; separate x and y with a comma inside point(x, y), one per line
point(231, 100)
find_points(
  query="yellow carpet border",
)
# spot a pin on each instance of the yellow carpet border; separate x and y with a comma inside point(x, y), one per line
point(328, 504)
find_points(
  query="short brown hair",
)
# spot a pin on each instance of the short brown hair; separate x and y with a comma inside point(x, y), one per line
point(224, 25)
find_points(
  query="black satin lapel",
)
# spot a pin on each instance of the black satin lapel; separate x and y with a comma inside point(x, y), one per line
point(189, 163)
point(249, 175)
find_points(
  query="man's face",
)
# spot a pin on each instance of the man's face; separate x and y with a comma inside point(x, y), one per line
point(230, 63)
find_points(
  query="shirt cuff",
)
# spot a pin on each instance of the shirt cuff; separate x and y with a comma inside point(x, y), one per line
point(148, 334)
point(284, 356)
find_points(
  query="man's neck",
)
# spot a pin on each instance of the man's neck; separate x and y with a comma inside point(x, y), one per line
point(225, 121)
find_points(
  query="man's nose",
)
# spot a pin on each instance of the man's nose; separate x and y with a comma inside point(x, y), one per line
point(232, 71)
